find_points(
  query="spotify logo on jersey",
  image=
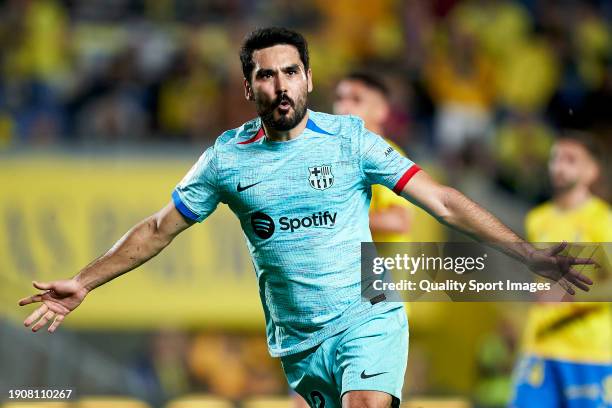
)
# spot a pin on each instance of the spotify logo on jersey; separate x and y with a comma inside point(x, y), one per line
point(262, 225)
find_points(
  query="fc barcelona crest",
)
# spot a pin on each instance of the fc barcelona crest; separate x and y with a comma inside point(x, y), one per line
point(320, 177)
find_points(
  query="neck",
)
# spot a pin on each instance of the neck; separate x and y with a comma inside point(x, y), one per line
point(285, 135)
point(572, 198)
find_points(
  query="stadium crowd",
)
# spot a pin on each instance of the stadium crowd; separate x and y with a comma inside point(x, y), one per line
point(127, 71)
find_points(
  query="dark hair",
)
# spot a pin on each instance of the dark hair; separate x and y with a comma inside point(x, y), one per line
point(369, 80)
point(589, 142)
point(268, 37)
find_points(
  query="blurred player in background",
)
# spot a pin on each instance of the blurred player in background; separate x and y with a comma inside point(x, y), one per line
point(364, 95)
point(568, 347)
point(299, 182)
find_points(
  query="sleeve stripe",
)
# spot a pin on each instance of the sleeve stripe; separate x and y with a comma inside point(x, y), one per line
point(182, 208)
point(399, 186)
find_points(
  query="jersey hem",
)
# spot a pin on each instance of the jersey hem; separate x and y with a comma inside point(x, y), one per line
point(333, 329)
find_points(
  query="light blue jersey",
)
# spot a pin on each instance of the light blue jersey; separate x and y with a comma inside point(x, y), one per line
point(303, 206)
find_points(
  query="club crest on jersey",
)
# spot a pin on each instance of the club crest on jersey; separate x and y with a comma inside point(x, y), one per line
point(320, 177)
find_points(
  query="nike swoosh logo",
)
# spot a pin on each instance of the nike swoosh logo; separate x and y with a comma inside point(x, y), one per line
point(242, 188)
point(364, 375)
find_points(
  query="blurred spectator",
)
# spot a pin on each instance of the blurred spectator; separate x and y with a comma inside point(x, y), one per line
point(111, 109)
point(523, 171)
point(187, 98)
point(461, 80)
point(500, 25)
point(34, 68)
point(585, 49)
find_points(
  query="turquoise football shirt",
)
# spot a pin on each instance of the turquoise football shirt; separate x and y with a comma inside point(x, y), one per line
point(303, 206)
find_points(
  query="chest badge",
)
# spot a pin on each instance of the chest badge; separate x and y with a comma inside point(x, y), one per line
point(320, 177)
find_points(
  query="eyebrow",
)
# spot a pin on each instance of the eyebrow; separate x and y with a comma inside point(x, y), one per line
point(294, 67)
point(265, 71)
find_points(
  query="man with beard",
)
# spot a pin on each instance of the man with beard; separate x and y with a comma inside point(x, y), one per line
point(567, 347)
point(299, 181)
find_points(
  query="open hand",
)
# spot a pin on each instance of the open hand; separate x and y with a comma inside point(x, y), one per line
point(549, 264)
point(60, 298)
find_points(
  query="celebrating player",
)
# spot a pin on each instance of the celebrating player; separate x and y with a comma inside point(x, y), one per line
point(568, 347)
point(299, 182)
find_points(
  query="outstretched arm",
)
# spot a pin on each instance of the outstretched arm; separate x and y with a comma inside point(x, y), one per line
point(141, 243)
point(454, 209)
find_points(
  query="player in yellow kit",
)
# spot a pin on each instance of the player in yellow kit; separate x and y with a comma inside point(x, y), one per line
point(365, 96)
point(568, 346)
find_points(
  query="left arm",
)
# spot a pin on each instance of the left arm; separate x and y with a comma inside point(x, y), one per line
point(452, 208)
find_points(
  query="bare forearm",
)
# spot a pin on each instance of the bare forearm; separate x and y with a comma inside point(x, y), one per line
point(466, 216)
point(137, 246)
point(454, 209)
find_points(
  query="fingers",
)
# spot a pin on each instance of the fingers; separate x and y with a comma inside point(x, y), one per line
point(38, 297)
point(579, 276)
point(42, 322)
point(43, 285)
point(558, 248)
point(583, 261)
point(579, 281)
point(37, 314)
point(31, 299)
point(567, 286)
point(58, 320)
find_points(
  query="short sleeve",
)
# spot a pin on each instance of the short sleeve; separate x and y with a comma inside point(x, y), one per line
point(197, 195)
point(382, 164)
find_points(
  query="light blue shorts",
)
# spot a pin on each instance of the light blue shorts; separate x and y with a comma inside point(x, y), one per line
point(371, 356)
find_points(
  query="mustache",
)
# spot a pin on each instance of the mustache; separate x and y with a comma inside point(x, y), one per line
point(283, 98)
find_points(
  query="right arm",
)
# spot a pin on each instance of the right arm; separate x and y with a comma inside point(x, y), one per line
point(141, 243)
point(193, 199)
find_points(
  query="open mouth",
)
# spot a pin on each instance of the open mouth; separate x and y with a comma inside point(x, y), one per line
point(284, 106)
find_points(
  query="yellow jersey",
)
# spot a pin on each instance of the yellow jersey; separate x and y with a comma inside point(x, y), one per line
point(580, 332)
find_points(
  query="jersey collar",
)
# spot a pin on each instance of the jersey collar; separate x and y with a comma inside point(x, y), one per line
point(310, 125)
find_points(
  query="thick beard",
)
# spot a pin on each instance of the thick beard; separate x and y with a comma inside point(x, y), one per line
point(285, 122)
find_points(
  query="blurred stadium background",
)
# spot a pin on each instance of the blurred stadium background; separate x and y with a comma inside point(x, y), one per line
point(105, 104)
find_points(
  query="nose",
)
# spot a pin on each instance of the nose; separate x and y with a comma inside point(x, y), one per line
point(280, 85)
